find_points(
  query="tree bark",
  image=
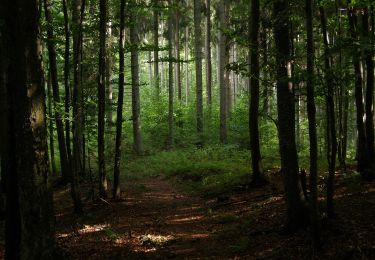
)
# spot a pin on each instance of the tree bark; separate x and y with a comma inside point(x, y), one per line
point(120, 104)
point(362, 148)
point(208, 53)
point(101, 99)
point(256, 160)
point(222, 74)
point(50, 126)
point(136, 106)
point(156, 48)
point(170, 78)
point(29, 224)
point(178, 64)
point(77, 124)
point(198, 68)
point(311, 114)
point(64, 162)
point(296, 212)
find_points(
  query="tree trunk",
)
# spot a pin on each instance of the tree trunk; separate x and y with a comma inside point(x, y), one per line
point(198, 67)
point(67, 81)
point(296, 212)
point(108, 73)
point(311, 114)
point(101, 99)
point(208, 53)
point(120, 104)
point(187, 86)
point(156, 48)
point(369, 106)
point(178, 65)
point(331, 125)
point(362, 150)
point(222, 63)
point(77, 127)
point(170, 78)
point(65, 169)
point(29, 224)
point(50, 125)
point(256, 160)
point(136, 106)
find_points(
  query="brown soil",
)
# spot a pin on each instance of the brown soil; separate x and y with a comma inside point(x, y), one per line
point(154, 220)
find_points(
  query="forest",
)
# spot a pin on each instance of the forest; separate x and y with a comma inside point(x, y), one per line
point(187, 129)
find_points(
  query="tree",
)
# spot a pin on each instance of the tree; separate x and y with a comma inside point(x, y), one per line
point(254, 92)
point(101, 99)
point(29, 222)
point(198, 67)
point(136, 105)
point(296, 211)
point(222, 11)
point(156, 48)
point(120, 104)
point(331, 125)
point(77, 125)
point(362, 148)
point(170, 77)
point(311, 111)
point(208, 53)
point(64, 160)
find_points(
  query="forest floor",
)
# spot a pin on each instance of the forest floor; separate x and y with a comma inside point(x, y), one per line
point(156, 220)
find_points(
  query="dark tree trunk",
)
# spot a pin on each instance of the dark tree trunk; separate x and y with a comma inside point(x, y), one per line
point(136, 105)
point(77, 127)
point(178, 65)
point(331, 125)
point(67, 81)
point(64, 162)
point(198, 67)
point(101, 99)
point(50, 125)
point(170, 78)
point(296, 211)
point(369, 108)
point(208, 53)
point(120, 104)
point(156, 48)
point(256, 160)
point(222, 10)
point(29, 222)
point(362, 148)
point(311, 114)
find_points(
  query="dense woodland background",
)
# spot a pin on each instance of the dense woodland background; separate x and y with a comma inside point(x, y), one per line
point(224, 104)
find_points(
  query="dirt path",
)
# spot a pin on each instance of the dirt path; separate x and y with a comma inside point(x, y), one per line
point(153, 221)
point(156, 221)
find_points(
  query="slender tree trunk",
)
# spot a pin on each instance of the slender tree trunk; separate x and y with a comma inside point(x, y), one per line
point(108, 74)
point(50, 125)
point(187, 86)
point(331, 126)
point(178, 65)
point(198, 67)
point(120, 104)
point(101, 99)
point(156, 48)
point(362, 150)
point(29, 227)
point(78, 8)
point(65, 169)
point(296, 212)
point(170, 77)
point(67, 81)
point(369, 106)
point(208, 53)
point(256, 160)
point(136, 106)
point(222, 63)
point(311, 111)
